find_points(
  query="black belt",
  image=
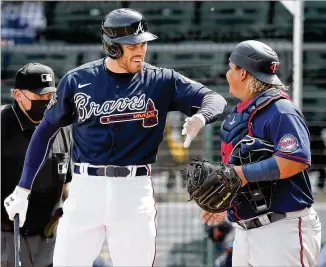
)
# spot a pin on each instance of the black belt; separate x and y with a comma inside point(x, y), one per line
point(112, 171)
point(255, 223)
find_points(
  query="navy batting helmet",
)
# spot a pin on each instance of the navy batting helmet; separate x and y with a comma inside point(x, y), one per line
point(260, 60)
point(124, 26)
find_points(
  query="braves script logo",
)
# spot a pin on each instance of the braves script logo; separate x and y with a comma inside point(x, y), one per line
point(274, 66)
point(105, 111)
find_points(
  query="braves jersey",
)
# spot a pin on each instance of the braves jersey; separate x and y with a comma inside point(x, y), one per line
point(272, 117)
point(119, 119)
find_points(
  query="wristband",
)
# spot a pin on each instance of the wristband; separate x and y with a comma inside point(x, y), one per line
point(265, 170)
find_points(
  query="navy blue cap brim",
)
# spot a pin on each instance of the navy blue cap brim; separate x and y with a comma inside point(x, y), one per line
point(135, 39)
point(267, 78)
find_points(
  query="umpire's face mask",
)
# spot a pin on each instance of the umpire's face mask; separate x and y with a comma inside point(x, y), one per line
point(37, 108)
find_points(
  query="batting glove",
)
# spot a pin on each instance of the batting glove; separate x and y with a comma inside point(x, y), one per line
point(17, 203)
point(192, 127)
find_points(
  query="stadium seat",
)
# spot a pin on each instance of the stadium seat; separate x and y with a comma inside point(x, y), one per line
point(241, 18)
point(282, 22)
point(282, 16)
point(207, 65)
point(315, 20)
point(168, 20)
point(59, 62)
point(5, 92)
point(314, 98)
point(79, 22)
point(314, 64)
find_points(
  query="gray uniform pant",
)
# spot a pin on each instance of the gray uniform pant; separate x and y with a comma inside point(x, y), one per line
point(36, 251)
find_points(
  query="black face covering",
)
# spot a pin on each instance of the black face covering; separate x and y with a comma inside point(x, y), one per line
point(37, 110)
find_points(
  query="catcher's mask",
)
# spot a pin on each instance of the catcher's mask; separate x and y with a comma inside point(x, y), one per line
point(124, 26)
point(251, 150)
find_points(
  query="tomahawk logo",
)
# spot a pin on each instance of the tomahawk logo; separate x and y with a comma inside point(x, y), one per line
point(114, 111)
point(139, 29)
point(274, 66)
point(149, 116)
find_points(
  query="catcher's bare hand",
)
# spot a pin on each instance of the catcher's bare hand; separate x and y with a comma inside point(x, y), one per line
point(212, 218)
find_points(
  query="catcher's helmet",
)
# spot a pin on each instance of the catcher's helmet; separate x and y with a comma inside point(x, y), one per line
point(124, 26)
point(260, 60)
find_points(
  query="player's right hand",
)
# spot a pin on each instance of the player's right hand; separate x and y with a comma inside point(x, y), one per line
point(212, 218)
point(17, 203)
point(191, 128)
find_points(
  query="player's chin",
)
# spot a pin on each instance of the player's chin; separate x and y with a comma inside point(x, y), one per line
point(232, 92)
point(136, 66)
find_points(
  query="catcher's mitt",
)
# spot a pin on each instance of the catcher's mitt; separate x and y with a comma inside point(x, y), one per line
point(213, 186)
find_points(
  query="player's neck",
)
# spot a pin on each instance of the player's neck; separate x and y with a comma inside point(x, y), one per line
point(249, 97)
point(113, 66)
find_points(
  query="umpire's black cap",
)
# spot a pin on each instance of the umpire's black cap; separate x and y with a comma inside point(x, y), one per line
point(260, 60)
point(35, 77)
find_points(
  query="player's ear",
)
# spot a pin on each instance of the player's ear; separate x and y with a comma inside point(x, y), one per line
point(17, 95)
point(244, 74)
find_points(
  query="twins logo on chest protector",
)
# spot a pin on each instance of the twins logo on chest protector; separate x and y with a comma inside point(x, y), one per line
point(112, 111)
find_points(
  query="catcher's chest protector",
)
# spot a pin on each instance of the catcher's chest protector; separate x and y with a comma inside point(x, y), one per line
point(238, 123)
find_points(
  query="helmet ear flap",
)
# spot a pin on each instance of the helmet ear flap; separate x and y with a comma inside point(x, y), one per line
point(113, 50)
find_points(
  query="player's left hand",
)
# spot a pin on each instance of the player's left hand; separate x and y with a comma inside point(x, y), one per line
point(191, 128)
point(212, 218)
point(17, 203)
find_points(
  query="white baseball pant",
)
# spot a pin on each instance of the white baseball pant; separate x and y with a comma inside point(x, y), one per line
point(293, 241)
point(121, 209)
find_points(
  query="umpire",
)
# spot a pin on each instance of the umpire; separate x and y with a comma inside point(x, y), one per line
point(34, 87)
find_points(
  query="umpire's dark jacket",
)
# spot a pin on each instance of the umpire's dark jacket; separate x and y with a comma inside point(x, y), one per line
point(16, 133)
